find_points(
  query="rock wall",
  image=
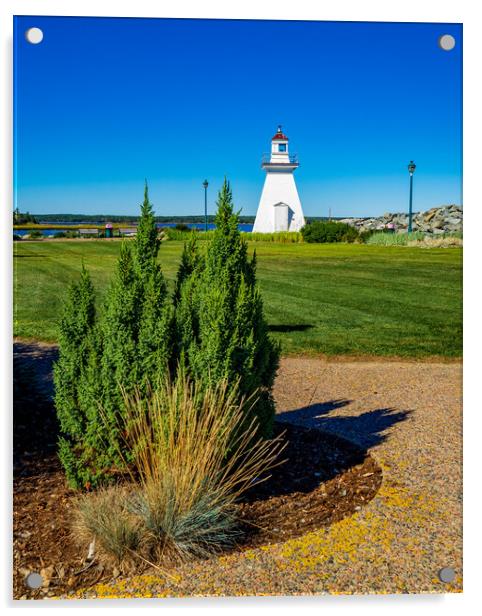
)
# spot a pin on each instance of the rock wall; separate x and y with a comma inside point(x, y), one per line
point(438, 220)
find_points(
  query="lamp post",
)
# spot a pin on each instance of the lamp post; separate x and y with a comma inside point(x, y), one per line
point(411, 171)
point(205, 184)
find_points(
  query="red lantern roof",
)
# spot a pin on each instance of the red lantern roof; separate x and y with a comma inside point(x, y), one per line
point(280, 135)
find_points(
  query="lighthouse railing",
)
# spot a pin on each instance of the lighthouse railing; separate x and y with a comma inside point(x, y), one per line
point(266, 158)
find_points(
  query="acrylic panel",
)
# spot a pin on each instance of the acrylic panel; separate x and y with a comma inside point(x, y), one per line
point(237, 307)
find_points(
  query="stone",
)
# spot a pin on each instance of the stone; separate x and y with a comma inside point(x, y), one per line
point(443, 218)
point(47, 574)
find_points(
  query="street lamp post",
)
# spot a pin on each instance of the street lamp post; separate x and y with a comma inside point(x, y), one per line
point(205, 184)
point(411, 171)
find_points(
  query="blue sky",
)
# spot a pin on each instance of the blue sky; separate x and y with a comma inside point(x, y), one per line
point(101, 104)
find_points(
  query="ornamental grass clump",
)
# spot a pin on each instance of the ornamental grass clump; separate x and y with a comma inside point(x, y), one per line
point(382, 238)
point(280, 237)
point(192, 457)
point(104, 521)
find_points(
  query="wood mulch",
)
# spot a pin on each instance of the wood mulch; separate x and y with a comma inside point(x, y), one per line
point(324, 479)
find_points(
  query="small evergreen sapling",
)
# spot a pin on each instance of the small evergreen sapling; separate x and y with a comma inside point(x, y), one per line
point(76, 326)
point(136, 327)
point(146, 241)
point(156, 319)
point(220, 321)
point(127, 346)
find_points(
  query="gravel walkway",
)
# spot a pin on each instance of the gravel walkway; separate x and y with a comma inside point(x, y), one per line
point(409, 416)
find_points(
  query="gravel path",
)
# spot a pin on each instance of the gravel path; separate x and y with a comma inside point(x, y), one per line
point(409, 416)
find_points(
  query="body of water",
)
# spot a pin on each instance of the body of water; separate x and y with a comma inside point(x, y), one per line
point(194, 225)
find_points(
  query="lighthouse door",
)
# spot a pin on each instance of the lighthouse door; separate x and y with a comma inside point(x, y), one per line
point(281, 212)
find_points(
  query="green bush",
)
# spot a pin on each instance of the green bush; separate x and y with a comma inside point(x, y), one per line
point(213, 326)
point(221, 329)
point(329, 232)
point(181, 226)
point(76, 325)
point(366, 234)
point(35, 234)
point(126, 345)
point(16, 237)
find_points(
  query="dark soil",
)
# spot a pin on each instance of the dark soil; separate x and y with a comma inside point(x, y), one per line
point(324, 479)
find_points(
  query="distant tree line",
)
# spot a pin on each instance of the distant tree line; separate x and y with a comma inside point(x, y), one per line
point(132, 219)
point(42, 218)
point(23, 219)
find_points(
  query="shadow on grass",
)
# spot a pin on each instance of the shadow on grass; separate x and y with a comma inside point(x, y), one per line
point(290, 328)
point(37, 256)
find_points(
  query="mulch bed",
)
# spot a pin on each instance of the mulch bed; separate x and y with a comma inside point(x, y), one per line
point(324, 479)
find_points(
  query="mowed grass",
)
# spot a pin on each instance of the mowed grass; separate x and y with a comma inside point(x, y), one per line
point(334, 299)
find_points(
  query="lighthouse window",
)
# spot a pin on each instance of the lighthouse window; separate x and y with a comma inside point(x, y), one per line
point(282, 147)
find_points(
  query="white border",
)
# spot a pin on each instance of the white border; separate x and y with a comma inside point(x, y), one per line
point(342, 10)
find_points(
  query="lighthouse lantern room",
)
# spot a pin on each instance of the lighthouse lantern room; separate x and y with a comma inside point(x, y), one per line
point(279, 208)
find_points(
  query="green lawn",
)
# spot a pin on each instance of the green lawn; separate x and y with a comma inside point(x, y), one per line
point(333, 299)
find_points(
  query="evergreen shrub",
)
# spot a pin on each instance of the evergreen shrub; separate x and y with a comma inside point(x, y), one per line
point(221, 329)
point(127, 344)
point(212, 326)
point(181, 226)
point(329, 232)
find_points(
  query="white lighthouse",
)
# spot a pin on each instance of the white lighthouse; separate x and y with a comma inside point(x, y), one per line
point(279, 208)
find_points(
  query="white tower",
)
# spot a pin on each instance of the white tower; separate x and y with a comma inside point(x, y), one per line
point(279, 208)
